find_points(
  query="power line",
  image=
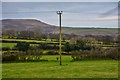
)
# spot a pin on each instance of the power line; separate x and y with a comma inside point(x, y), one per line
point(25, 12)
point(39, 12)
point(45, 12)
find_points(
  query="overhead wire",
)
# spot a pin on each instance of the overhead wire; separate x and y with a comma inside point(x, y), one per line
point(39, 12)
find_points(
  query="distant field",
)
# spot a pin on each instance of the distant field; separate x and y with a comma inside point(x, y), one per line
point(88, 31)
point(22, 40)
point(51, 69)
point(11, 45)
point(32, 41)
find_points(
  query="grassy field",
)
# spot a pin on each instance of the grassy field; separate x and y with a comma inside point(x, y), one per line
point(11, 45)
point(37, 41)
point(84, 31)
point(68, 69)
point(25, 40)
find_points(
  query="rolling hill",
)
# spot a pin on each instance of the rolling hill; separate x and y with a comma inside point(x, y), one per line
point(26, 24)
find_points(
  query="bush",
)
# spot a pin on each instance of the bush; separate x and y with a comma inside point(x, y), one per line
point(112, 53)
point(67, 47)
point(30, 55)
point(45, 46)
point(52, 53)
point(23, 46)
point(79, 55)
point(9, 57)
point(95, 54)
point(5, 48)
point(14, 48)
point(34, 52)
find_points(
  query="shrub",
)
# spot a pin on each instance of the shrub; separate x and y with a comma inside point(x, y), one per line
point(45, 46)
point(33, 47)
point(52, 53)
point(94, 54)
point(5, 48)
point(14, 48)
point(30, 55)
point(67, 47)
point(112, 53)
point(22, 46)
point(79, 55)
point(9, 57)
point(34, 52)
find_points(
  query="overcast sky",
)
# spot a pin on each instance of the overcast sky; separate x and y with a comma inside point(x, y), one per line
point(59, 0)
point(82, 14)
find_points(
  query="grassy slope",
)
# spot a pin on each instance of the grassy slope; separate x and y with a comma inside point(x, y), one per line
point(83, 31)
point(79, 69)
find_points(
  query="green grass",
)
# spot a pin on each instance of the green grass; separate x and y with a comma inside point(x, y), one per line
point(34, 44)
point(10, 51)
point(45, 51)
point(106, 47)
point(11, 45)
point(68, 69)
point(42, 41)
point(21, 40)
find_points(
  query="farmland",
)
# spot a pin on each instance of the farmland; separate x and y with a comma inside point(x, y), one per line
point(49, 67)
point(11, 45)
point(37, 56)
point(30, 41)
point(59, 41)
point(87, 31)
point(52, 69)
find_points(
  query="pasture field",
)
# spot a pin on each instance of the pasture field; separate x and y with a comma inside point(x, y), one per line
point(68, 69)
point(11, 45)
point(37, 41)
point(29, 41)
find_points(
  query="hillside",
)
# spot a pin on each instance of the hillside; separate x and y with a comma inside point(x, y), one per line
point(88, 31)
point(25, 24)
point(30, 24)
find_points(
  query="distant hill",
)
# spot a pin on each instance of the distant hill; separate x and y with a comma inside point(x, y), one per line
point(90, 31)
point(25, 24)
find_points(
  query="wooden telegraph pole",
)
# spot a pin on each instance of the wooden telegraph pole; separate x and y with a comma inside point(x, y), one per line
point(59, 13)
